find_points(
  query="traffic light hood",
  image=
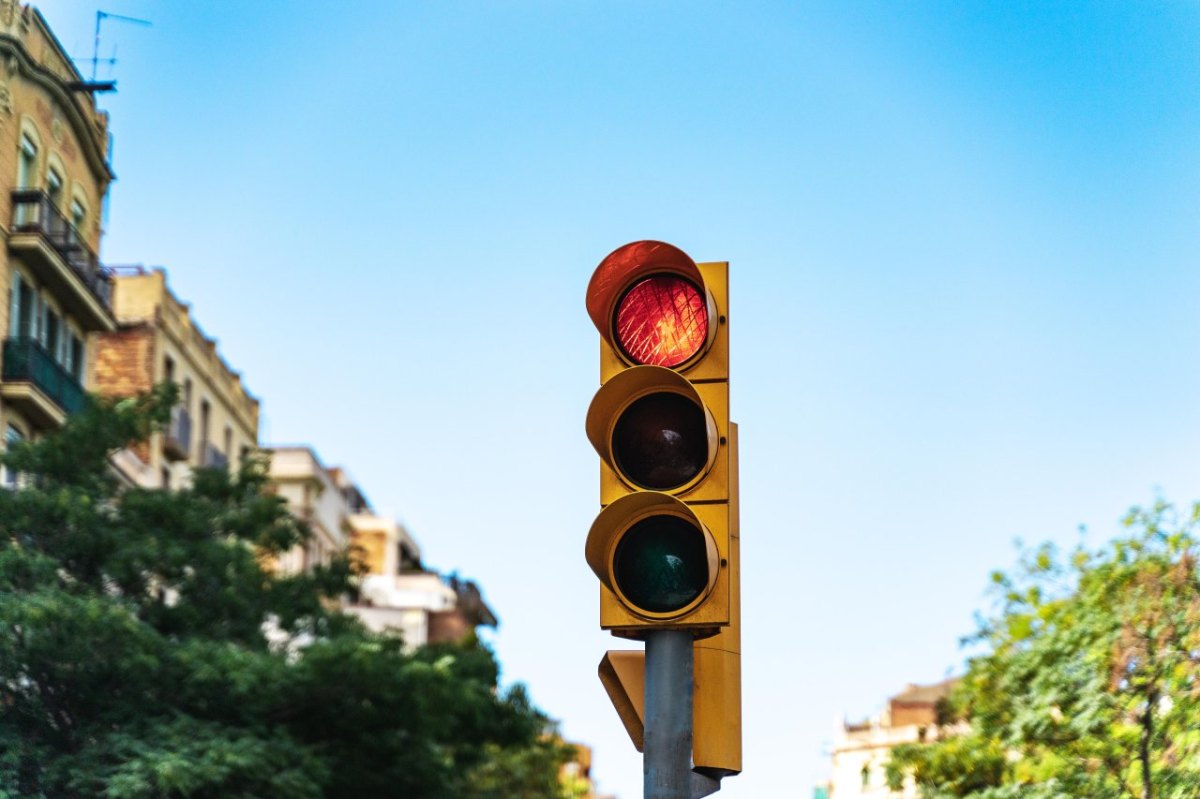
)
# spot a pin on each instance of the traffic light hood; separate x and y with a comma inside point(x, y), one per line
point(610, 411)
point(651, 305)
point(623, 266)
point(694, 573)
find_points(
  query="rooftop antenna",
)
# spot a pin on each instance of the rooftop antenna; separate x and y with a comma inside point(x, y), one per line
point(106, 86)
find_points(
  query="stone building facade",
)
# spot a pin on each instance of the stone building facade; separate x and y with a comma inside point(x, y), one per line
point(313, 496)
point(396, 592)
point(215, 423)
point(54, 177)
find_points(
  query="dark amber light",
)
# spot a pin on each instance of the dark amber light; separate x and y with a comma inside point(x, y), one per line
point(662, 321)
point(660, 441)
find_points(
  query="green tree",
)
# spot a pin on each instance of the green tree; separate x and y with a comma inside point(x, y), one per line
point(147, 649)
point(527, 773)
point(1089, 681)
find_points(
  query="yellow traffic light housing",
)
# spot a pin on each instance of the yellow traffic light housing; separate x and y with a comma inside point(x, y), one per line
point(660, 424)
point(716, 704)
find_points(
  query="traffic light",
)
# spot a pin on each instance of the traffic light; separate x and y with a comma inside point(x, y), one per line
point(660, 423)
point(665, 545)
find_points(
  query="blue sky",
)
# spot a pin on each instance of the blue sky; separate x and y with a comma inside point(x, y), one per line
point(963, 242)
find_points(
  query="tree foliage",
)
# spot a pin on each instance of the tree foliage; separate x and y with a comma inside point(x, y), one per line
point(148, 650)
point(1089, 684)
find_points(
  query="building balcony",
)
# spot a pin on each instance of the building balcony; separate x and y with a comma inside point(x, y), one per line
point(37, 385)
point(213, 458)
point(57, 253)
point(177, 441)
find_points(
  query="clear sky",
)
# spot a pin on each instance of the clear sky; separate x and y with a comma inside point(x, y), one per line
point(965, 267)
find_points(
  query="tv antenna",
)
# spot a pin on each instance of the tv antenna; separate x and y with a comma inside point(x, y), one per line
point(106, 86)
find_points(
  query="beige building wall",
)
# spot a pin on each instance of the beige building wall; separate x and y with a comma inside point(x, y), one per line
point(861, 750)
point(408, 603)
point(216, 421)
point(382, 545)
point(313, 496)
point(53, 145)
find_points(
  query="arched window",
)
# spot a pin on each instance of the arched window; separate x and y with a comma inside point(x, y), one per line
point(27, 162)
point(54, 186)
point(26, 213)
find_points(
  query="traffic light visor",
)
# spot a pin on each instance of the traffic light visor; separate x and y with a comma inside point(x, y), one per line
point(652, 551)
point(649, 302)
point(652, 428)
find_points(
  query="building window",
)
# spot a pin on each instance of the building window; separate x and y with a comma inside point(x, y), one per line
point(12, 435)
point(166, 478)
point(78, 218)
point(74, 362)
point(228, 442)
point(54, 187)
point(204, 414)
point(37, 317)
point(168, 369)
point(32, 317)
point(51, 336)
point(20, 314)
point(27, 162)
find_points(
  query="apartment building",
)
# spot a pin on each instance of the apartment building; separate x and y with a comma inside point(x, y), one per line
point(314, 496)
point(54, 176)
point(397, 592)
point(384, 545)
point(157, 340)
point(861, 749)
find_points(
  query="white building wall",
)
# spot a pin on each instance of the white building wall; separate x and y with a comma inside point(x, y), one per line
point(403, 602)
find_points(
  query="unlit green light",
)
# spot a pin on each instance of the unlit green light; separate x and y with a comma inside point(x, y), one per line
point(661, 564)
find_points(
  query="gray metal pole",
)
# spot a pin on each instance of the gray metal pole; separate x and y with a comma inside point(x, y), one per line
point(667, 750)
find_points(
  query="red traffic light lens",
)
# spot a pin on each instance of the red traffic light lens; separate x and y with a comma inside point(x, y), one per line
point(661, 441)
point(662, 321)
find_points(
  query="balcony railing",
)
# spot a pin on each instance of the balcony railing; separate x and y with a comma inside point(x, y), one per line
point(25, 360)
point(213, 458)
point(34, 212)
point(178, 441)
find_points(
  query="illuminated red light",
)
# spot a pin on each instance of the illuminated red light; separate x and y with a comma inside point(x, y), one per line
point(662, 321)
